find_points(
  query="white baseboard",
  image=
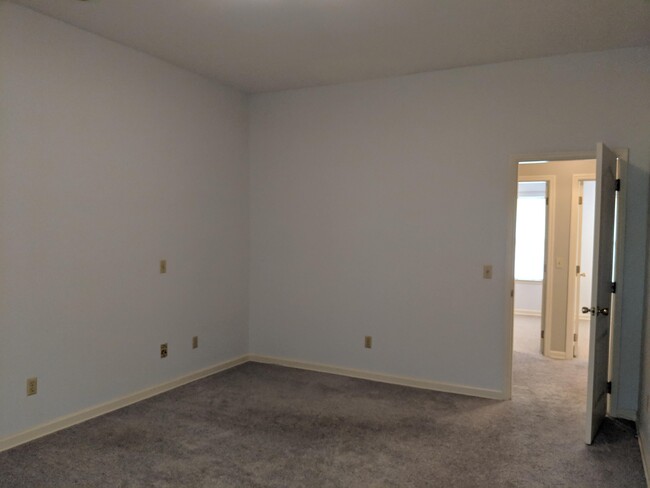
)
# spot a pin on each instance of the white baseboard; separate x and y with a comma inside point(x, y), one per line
point(558, 355)
point(92, 412)
point(528, 313)
point(104, 408)
point(624, 413)
point(381, 377)
point(644, 459)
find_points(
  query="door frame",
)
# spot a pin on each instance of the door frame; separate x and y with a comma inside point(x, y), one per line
point(515, 159)
point(575, 246)
point(549, 249)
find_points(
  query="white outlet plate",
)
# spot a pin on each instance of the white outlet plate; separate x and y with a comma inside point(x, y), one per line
point(487, 271)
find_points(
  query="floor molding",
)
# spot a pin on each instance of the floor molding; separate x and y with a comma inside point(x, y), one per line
point(624, 413)
point(558, 355)
point(381, 377)
point(104, 408)
point(528, 313)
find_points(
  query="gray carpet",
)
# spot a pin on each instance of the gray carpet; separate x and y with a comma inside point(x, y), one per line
point(268, 426)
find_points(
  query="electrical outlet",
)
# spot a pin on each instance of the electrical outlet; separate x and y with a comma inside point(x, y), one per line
point(487, 272)
point(195, 342)
point(32, 386)
point(163, 266)
point(368, 342)
point(163, 350)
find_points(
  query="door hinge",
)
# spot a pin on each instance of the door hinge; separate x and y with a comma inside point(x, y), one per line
point(614, 287)
point(547, 201)
point(575, 337)
point(618, 184)
point(579, 200)
point(609, 387)
point(578, 269)
point(542, 333)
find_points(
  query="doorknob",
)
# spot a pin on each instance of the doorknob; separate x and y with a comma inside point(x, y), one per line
point(596, 311)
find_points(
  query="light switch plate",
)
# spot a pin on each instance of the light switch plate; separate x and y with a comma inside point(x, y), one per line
point(487, 271)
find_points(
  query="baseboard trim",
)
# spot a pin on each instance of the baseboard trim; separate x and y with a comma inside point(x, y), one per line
point(528, 313)
point(110, 406)
point(104, 408)
point(558, 355)
point(644, 459)
point(381, 377)
point(624, 413)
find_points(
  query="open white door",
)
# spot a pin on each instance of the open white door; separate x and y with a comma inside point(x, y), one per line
point(601, 295)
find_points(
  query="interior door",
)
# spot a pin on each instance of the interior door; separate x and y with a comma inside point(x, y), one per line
point(601, 294)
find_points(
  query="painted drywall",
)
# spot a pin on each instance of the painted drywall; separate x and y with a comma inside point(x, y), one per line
point(375, 205)
point(528, 297)
point(560, 196)
point(111, 160)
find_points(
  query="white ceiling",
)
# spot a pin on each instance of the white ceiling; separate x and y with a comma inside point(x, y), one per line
point(267, 45)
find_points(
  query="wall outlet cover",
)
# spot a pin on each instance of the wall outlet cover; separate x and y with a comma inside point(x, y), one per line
point(32, 386)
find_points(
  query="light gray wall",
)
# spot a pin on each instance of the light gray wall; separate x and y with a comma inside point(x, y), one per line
point(528, 297)
point(375, 205)
point(111, 160)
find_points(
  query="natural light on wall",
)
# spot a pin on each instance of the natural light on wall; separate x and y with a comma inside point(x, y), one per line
point(531, 230)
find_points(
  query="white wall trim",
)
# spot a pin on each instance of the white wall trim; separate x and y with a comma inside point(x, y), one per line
point(104, 408)
point(558, 355)
point(531, 313)
point(617, 321)
point(575, 252)
point(381, 377)
point(627, 414)
point(110, 406)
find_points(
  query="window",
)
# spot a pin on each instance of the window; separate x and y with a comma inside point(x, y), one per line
point(531, 231)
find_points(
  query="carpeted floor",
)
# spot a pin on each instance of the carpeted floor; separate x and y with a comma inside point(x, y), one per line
point(268, 426)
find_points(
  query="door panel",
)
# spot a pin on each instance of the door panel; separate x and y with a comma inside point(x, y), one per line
point(601, 296)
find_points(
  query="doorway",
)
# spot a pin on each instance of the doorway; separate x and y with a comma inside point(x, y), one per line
point(605, 306)
point(550, 227)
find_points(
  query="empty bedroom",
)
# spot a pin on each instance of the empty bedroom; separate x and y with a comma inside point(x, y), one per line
point(278, 243)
